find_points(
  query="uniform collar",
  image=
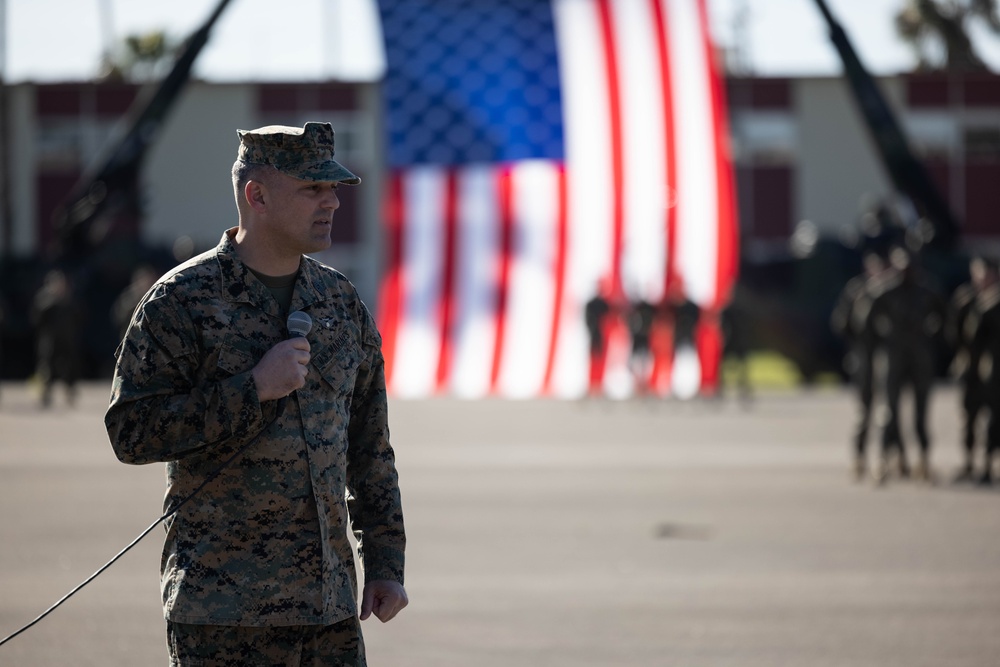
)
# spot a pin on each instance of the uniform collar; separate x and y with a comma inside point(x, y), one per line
point(240, 285)
point(310, 287)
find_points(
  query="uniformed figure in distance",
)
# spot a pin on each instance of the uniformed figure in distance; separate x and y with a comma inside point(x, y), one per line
point(57, 318)
point(962, 321)
point(257, 567)
point(595, 314)
point(984, 359)
point(640, 325)
point(848, 321)
point(908, 318)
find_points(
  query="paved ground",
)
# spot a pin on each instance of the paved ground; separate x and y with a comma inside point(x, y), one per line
point(559, 534)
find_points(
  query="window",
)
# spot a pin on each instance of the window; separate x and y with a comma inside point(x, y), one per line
point(982, 142)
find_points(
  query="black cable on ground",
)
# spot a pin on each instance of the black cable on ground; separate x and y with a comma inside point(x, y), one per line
point(134, 542)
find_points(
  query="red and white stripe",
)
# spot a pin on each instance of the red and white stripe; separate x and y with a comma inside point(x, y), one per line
point(490, 265)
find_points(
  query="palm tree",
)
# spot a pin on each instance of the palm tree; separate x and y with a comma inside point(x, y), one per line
point(140, 57)
point(938, 31)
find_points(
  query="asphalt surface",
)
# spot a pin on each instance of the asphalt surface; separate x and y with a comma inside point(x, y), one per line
point(559, 534)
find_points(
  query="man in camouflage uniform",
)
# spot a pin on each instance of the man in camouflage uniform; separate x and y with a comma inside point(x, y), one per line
point(907, 317)
point(848, 321)
point(962, 322)
point(257, 567)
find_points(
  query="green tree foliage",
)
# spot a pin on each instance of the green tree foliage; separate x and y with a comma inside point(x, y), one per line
point(140, 57)
point(938, 31)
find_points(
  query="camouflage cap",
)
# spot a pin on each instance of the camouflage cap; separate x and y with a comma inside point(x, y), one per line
point(305, 152)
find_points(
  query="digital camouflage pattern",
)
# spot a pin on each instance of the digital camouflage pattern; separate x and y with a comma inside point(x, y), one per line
point(303, 152)
point(339, 644)
point(265, 543)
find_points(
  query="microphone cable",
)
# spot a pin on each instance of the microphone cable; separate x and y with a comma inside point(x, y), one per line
point(299, 324)
point(215, 473)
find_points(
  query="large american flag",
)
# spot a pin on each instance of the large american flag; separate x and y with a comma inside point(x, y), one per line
point(537, 150)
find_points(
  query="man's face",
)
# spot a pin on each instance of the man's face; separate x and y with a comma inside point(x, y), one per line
point(300, 213)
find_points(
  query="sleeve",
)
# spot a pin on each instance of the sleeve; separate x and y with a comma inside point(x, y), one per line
point(159, 409)
point(373, 486)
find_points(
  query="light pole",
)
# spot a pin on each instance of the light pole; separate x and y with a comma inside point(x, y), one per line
point(6, 221)
point(107, 29)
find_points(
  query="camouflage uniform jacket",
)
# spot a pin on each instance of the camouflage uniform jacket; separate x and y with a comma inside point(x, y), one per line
point(265, 543)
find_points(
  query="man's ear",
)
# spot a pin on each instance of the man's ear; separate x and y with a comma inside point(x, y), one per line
point(256, 196)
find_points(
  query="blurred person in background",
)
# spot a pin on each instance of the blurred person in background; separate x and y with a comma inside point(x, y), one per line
point(848, 321)
point(907, 317)
point(121, 311)
point(596, 312)
point(984, 361)
point(736, 344)
point(684, 315)
point(963, 318)
point(57, 320)
point(640, 325)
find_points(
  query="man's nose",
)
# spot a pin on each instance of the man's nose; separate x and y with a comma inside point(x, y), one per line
point(331, 201)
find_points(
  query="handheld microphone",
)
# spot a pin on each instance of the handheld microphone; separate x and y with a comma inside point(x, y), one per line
point(299, 324)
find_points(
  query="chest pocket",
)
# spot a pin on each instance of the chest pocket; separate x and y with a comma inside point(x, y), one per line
point(337, 360)
point(237, 355)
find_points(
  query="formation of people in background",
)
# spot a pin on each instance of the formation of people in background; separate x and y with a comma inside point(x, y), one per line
point(895, 326)
point(662, 340)
point(894, 322)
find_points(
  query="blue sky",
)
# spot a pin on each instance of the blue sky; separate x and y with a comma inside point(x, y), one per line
point(316, 39)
